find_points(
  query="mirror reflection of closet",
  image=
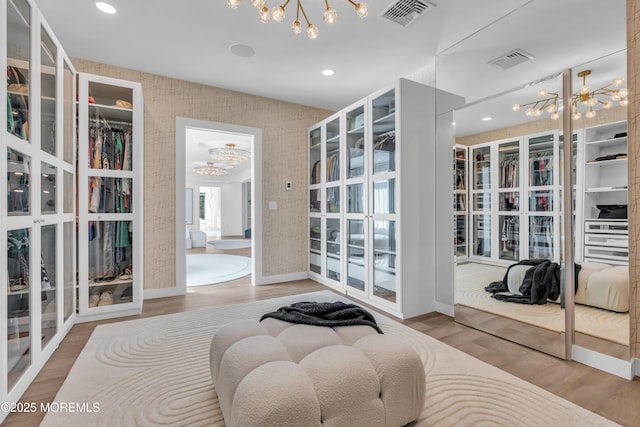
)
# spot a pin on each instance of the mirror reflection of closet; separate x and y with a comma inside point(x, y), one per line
point(513, 217)
point(503, 215)
point(602, 240)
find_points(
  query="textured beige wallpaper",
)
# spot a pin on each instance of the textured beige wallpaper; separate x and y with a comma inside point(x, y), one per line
point(633, 82)
point(284, 126)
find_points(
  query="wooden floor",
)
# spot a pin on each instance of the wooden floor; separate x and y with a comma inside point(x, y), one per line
point(607, 395)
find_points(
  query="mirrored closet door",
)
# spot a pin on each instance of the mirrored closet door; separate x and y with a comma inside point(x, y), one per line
point(512, 130)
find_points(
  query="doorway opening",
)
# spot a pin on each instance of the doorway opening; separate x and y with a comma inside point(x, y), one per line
point(214, 212)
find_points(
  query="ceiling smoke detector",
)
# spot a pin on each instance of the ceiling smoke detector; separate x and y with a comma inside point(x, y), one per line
point(511, 59)
point(406, 12)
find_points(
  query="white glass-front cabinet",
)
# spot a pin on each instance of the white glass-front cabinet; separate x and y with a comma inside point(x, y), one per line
point(325, 224)
point(516, 198)
point(372, 171)
point(38, 211)
point(110, 128)
point(460, 205)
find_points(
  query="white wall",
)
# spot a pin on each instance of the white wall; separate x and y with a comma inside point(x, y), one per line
point(231, 200)
point(232, 209)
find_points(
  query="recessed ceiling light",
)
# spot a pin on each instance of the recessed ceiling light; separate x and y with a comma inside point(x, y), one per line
point(105, 7)
point(486, 119)
point(328, 72)
point(242, 50)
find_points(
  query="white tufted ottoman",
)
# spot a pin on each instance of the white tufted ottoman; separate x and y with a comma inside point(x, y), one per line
point(276, 373)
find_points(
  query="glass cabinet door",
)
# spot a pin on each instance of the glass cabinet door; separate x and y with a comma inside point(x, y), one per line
point(541, 237)
point(110, 263)
point(48, 177)
point(384, 259)
point(69, 268)
point(509, 200)
point(315, 245)
point(18, 68)
point(541, 198)
point(481, 168)
point(18, 308)
point(315, 156)
point(48, 104)
point(384, 133)
point(541, 161)
point(18, 183)
point(333, 252)
point(509, 228)
point(48, 283)
point(356, 255)
point(460, 236)
point(460, 202)
point(481, 242)
point(68, 133)
point(333, 150)
point(355, 142)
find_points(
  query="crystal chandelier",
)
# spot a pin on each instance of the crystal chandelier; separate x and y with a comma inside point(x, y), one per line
point(229, 155)
point(605, 95)
point(330, 16)
point(209, 170)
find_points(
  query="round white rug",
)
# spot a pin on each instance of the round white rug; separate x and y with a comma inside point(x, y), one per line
point(231, 243)
point(207, 269)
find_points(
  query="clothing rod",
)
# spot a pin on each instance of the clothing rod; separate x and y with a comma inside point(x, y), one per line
point(110, 122)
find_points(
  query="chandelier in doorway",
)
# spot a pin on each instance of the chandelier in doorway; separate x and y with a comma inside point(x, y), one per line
point(229, 155)
point(209, 170)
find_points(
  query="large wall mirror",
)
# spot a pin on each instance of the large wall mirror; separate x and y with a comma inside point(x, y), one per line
point(508, 167)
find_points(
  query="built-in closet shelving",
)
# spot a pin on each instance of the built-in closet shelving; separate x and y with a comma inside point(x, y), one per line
point(460, 198)
point(606, 237)
point(372, 199)
point(38, 213)
point(110, 150)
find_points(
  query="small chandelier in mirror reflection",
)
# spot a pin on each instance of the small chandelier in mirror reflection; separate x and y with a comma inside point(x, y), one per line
point(229, 155)
point(330, 16)
point(605, 96)
point(209, 170)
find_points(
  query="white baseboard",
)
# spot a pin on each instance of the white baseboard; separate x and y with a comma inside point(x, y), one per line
point(621, 368)
point(162, 293)
point(444, 309)
point(270, 280)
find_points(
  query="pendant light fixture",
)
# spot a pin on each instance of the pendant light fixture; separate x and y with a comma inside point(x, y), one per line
point(209, 170)
point(604, 96)
point(277, 13)
point(229, 155)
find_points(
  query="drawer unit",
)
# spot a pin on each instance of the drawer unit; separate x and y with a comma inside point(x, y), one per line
point(606, 241)
point(612, 226)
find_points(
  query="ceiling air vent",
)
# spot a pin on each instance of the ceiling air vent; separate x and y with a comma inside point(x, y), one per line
point(511, 59)
point(405, 12)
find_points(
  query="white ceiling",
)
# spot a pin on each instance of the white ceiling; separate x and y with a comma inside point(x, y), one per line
point(199, 141)
point(190, 40)
point(449, 46)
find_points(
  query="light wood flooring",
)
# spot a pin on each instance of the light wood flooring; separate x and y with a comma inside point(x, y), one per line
point(607, 395)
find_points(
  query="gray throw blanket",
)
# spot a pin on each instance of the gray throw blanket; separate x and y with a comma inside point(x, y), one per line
point(324, 314)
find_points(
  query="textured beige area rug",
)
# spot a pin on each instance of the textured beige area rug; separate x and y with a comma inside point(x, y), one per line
point(471, 279)
point(155, 372)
